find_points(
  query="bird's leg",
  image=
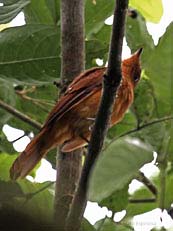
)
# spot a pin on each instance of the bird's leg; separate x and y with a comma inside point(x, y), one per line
point(93, 120)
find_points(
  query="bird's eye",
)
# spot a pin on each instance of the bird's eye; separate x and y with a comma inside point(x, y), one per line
point(136, 78)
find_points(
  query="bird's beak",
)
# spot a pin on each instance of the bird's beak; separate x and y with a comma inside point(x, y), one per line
point(138, 52)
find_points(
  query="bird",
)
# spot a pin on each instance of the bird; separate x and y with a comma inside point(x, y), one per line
point(69, 124)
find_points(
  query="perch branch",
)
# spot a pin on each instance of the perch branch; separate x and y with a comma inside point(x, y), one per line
point(112, 80)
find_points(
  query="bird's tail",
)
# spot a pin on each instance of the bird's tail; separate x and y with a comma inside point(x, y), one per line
point(27, 160)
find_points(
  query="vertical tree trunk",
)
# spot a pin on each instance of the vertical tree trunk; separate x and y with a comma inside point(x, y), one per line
point(72, 63)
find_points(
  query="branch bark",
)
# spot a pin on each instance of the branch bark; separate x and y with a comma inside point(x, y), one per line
point(72, 63)
point(20, 115)
point(112, 80)
point(143, 179)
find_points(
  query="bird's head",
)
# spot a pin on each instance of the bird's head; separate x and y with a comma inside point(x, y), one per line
point(131, 68)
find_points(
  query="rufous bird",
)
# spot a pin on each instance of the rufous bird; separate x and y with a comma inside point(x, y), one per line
point(69, 123)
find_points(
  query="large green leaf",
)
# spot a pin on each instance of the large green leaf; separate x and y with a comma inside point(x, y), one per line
point(46, 12)
point(139, 208)
point(9, 191)
point(159, 68)
point(117, 165)
point(97, 46)
point(33, 199)
point(108, 224)
point(144, 103)
point(29, 204)
point(152, 10)
point(10, 9)
point(31, 60)
point(5, 163)
point(117, 201)
point(30, 53)
point(153, 135)
point(96, 13)
point(39, 205)
point(5, 145)
point(86, 226)
point(137, 36)
point(129, 122)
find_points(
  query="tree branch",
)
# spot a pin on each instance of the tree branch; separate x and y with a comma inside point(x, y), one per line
point(111, 82)
point(143, 179)
point(20, 115)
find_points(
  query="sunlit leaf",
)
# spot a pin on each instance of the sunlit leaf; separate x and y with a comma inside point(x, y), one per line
point(152, 10)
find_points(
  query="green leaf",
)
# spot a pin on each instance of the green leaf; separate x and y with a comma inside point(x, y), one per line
point(5, 145)
point(159, 69)
point(9, 191)
point(144, 103)
point(139, 208)
point(107, 224)
point(168, 199)
point(37, 104)
point(46, 12)
point(10, 9)
point(129, 122)
point(86, 226)
point(117, 201)
point(39, 205)
point(152, 10)
point(31, 60)
point(34, 199)
point(27, 53)
point(153, 135)
point(170, 146)
point(97, 46)
point(5, 163)
point(7, 95)
point(95, 14)
point(117, 165)
point(30, 204)
point(143, 193)
point(137, 36)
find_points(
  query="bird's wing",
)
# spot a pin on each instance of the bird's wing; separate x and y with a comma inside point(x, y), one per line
point(82, 87)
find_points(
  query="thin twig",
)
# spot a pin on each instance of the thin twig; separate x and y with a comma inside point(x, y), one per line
point(29, 196)
point(20, 115)
point(111, 82)
point(140, 128)
point(146, 200)
point(20, 137)
point(39, 102)
point(143, 179)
